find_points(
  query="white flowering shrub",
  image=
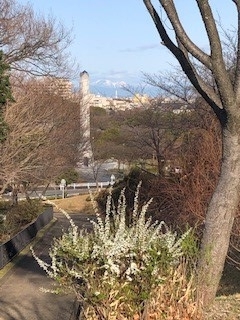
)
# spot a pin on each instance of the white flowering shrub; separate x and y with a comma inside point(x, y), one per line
point(115, 269)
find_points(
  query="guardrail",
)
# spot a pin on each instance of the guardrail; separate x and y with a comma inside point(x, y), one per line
point(87, 185)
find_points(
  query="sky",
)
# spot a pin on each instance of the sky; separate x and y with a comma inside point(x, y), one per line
point(117, 40)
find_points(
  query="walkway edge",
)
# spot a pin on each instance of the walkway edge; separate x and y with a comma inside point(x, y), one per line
point(22, 253)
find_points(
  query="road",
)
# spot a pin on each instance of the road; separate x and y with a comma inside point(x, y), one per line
point(86, 174)
point(104, 171)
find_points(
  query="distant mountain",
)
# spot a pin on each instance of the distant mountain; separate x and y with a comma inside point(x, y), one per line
point(109, 83)
point(109, 88)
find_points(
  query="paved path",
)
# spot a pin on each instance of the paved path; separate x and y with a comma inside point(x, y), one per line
point(20, 297)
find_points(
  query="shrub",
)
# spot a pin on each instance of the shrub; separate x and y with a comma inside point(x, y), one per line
point(117, 270)
point(129, 183)
point(16, 217)
point(24, 212)
point(70, 175)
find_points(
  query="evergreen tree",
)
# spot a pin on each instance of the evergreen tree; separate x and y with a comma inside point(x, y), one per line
point(5, 94)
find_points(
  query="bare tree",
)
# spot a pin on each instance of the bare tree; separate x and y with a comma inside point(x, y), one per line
point(224, 99)
point(43, 137)
point(32, 43)
point(173, 84)
point(152, 132)
point(110, 136)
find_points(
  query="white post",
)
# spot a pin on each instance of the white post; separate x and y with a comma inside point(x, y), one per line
point(112, 180)
point(63, 185)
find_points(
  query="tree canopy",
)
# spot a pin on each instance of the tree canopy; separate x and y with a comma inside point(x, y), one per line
point(5, 87)
point(5, 94)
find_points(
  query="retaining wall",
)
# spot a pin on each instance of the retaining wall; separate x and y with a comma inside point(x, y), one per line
point(12, 247)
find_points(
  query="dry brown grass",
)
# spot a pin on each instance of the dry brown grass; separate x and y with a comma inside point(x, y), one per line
point(174, 299)
point(76, 204)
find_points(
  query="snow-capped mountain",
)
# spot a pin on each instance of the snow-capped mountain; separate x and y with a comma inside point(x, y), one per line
point(109, 83)
point(119, 89)
point(109, 88)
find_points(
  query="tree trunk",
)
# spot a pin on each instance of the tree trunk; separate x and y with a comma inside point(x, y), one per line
point(160, 164)
point(219, 220)
point(14, 195)
point(24, 190)
point(45, 189)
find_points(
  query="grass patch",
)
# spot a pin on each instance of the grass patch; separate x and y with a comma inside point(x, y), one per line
point(76, 204)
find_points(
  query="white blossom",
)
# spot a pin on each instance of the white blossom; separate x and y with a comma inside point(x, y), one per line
point(114, 250)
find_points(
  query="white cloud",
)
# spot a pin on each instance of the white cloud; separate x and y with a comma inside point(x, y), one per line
point(142, 48)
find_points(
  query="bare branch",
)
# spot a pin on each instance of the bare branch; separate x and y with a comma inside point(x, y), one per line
point(204, 90)
point(38, 134)
point(182, 36)
point(220, 73)
point(32, 43)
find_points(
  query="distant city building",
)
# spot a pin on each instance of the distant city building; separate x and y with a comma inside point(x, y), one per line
point(97, 100)
point(176, 106)
point(113, 103)
point(140, 99)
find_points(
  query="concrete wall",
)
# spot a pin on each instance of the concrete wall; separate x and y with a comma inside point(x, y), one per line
point(12, 247)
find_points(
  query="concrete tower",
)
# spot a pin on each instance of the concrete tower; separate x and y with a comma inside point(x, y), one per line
point(85, 97)
point(84, 83)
